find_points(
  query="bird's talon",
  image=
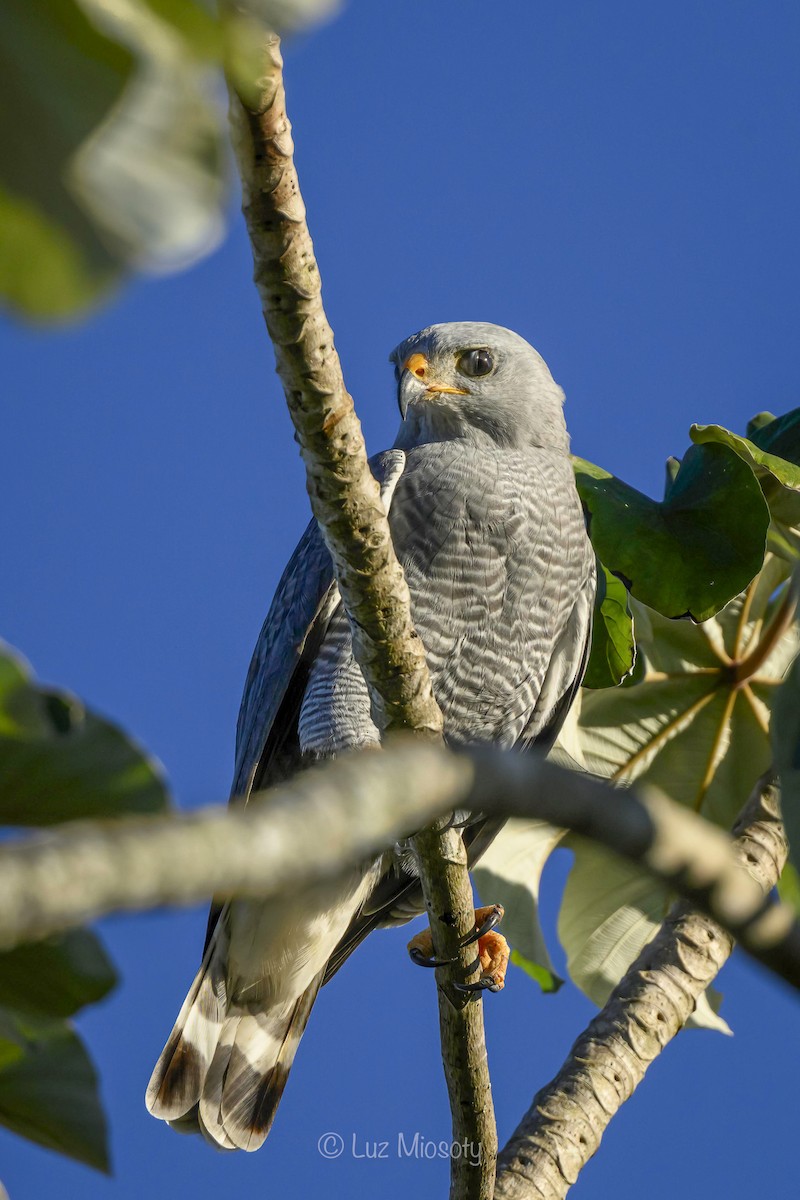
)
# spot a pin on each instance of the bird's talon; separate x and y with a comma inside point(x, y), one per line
point(486, 984)
point(427, 960)
point(493, 952)
point(485, 920)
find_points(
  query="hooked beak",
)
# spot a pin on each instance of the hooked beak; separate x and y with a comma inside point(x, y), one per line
point(419, 366)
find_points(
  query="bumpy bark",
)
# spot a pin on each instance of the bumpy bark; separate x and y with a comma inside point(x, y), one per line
point(346, 502)
point(567, 1118)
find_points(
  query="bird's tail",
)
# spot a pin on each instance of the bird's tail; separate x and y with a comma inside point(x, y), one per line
point(223, 1069)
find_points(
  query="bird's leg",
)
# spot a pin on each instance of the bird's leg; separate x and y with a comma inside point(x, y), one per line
point(493, 951)
point(485, 919)
point(420, 949)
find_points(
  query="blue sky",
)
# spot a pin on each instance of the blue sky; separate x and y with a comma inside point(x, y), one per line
point(618, 182)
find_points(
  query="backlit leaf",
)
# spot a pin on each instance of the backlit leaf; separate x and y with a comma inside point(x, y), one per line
point(509, 873)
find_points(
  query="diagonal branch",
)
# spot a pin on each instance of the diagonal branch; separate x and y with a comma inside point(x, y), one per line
point(346, 503)
point(567, 1118)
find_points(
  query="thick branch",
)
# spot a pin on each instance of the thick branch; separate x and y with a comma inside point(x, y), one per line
point(567, 1118)
point(346, 503)
point(358, 806)
point(344, 496)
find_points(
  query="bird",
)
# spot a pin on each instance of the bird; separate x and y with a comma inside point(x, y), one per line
point(486, 521)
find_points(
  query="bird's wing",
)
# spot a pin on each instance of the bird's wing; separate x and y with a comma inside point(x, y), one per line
point(398, 896)
point(267, 745)
point(267, 740)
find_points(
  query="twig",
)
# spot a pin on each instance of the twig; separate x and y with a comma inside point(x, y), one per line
point(346, 503)
point(567, 1118)
point(357, 806)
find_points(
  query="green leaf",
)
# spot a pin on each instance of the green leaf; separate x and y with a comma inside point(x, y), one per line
point(59, 762)
point(789, 886)
point(59, 78)
point(609, 912)
point(198, 26)
point(786, 749)
point(779, 436)
point(694, 551)
point(112, 152)
point(613, 651)
point(48, 1088)
point(765, 465)
point(58, 976)
point(509, 873)
point(776, 471)
point(290, 16)
point(695, 726)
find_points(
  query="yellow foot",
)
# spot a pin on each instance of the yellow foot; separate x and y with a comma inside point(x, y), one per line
point(493, 950)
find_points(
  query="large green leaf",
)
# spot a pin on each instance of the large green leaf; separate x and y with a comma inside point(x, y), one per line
point(48, 1088)
point(112, 151)
point(509, 874)
point(773, 454)
point(613, 650)
point(59, 762)
point(786, 748)
point(692, 552)
point(697, 724)
point(58, 976)
point(609, 912)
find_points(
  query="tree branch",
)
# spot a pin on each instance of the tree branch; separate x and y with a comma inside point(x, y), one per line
point(567, 1118)
point(357, 806)
point(346, 503)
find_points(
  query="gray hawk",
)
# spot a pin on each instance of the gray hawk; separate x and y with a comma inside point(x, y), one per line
point(487, 524)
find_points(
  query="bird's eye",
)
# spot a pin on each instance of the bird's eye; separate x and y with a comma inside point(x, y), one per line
point(475, 363)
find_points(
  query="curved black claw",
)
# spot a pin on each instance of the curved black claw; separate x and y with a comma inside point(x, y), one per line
point(423, 960)
point(481, 985)
point(494, 919)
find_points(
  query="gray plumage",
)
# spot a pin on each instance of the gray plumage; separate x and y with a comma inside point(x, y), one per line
point(487, 524)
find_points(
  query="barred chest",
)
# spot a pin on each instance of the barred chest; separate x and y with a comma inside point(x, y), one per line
point(493, 564)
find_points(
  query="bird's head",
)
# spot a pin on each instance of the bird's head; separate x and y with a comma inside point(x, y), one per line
point(471, 380)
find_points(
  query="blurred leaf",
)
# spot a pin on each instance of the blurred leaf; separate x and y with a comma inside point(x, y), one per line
point(694, 727)
point(789, 886)
point(290, 16)
point(112, 151)
point(509, 873)
point(59, 762)
point(786, 749)
point(691, 553)
point(59, 77)
point(613, 650)
point(58, 976)
point(610, 910)
point(197, 23)
point(48, 1088)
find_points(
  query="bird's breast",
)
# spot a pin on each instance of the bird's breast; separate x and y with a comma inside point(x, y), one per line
point(488, 547)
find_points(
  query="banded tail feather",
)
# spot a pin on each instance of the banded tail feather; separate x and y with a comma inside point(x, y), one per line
point(223, 1070)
